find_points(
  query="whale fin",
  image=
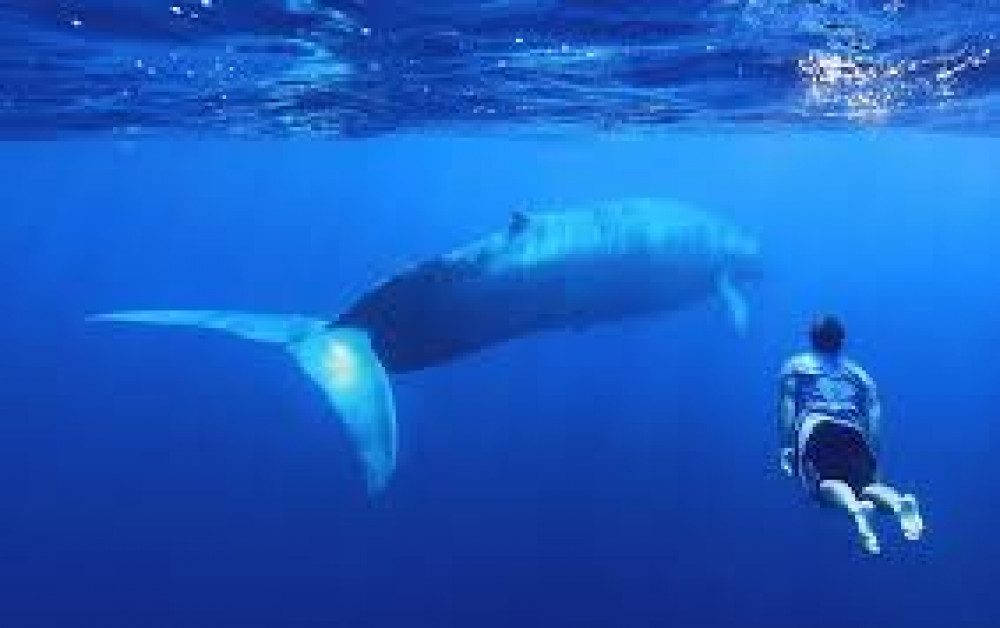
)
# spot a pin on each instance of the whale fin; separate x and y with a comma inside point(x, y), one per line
point(340, 361)
point(735, 302)
point(519, 222)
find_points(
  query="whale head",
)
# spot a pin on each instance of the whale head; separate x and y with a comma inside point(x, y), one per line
point(738, 255)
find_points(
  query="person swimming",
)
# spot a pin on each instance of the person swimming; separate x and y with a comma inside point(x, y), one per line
point(829, 421)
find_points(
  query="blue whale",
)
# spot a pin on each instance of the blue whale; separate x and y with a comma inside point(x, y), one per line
point(546, 270)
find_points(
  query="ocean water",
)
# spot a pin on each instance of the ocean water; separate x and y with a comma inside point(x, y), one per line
point(623, 475)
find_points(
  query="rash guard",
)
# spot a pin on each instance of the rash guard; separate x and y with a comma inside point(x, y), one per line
point(834, 387)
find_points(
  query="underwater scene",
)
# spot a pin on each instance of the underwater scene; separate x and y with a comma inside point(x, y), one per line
point(492, 313)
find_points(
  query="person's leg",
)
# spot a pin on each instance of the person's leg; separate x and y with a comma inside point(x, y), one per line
point(839, 493)
point(903, 506)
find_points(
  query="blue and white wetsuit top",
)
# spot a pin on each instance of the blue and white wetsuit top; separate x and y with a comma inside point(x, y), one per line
point(835, 387)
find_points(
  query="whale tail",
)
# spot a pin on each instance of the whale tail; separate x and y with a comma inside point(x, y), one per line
point(339, 360)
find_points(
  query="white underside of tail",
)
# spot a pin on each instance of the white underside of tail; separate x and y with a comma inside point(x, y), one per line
point(339, 361)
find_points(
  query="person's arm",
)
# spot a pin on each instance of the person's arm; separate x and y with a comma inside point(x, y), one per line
point(871, 406)
point(786, 422)
point(874, 419)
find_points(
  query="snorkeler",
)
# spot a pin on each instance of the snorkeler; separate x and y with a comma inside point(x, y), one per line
point(829, 431)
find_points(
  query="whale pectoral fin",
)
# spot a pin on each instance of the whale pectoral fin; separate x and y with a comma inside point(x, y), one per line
point(735, 303)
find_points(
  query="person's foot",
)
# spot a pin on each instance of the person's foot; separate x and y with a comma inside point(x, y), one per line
point(863, 519)
point(909, 517)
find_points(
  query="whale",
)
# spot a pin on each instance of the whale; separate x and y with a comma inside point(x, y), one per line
point(545, 270)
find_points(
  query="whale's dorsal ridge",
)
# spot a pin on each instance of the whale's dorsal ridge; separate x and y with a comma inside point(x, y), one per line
point(519, 222)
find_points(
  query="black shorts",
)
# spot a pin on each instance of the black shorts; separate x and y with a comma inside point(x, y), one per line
point(838, 451)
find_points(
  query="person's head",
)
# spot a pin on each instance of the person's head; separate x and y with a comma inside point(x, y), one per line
point(827, 335)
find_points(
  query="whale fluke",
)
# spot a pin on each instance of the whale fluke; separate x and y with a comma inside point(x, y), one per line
point(339, 360)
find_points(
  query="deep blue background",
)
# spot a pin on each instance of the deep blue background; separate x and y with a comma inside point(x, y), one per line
point(623, 476)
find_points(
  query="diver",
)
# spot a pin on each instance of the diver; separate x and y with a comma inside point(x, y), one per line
point(829, 431)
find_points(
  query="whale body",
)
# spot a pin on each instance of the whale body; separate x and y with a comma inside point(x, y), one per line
point(543, 271)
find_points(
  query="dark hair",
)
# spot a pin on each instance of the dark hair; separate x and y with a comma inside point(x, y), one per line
point(827, 335)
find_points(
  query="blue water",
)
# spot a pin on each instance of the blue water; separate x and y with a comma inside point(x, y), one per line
point(284, 155)
point(358, 68)
point(622, 476)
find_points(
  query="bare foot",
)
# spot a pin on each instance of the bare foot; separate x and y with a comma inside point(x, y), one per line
point(863, 519)
point(909, 517)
